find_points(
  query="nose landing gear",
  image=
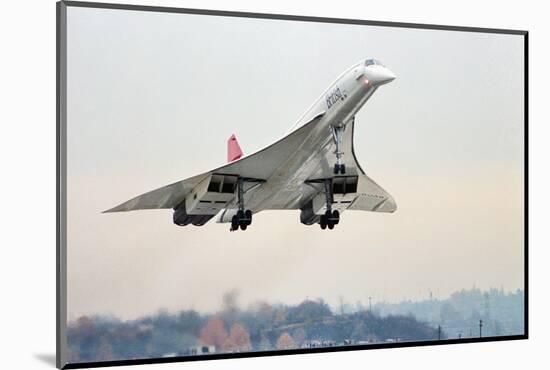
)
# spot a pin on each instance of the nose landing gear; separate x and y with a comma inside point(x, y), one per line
point(339, 168)
point(337, 133)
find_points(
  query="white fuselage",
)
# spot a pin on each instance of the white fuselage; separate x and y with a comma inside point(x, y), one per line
point(338, 104)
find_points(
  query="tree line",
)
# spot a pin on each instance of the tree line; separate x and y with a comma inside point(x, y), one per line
point(261, 327)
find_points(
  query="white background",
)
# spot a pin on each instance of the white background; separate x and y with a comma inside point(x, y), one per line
point(27, 159)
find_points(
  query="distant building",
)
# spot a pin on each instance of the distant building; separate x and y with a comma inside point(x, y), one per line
point(348, 342)
point(392, 340)
point(201, 350)
point(318, 343)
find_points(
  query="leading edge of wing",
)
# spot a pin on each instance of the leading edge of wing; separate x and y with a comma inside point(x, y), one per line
point(165, 197)
point(170, 196)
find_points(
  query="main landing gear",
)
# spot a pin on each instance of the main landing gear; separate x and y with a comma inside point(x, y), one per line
point(243, 218)
point(330, 218)
point(337, 133)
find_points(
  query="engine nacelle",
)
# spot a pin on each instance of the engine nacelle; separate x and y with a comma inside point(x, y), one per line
point(344, 192)
point(205, 200)
point(227, 215)
point(307, 215)
point(180, 216)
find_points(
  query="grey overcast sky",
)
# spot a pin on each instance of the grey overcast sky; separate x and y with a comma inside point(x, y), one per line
point(153, 97)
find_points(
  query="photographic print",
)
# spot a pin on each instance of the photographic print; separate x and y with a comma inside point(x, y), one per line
point(238, 185)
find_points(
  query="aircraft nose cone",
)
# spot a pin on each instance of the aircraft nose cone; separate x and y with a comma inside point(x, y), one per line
point(380, 75)
point(389, 76)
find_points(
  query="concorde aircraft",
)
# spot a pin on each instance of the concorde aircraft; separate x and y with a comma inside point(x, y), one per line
point(313, 168)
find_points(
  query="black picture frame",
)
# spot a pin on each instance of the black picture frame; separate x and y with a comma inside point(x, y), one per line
point(61, 186)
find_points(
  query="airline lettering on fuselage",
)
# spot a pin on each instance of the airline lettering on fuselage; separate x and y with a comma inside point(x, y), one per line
point(334, 96)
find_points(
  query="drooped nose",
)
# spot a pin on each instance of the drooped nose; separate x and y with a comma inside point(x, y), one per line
point(379, 74)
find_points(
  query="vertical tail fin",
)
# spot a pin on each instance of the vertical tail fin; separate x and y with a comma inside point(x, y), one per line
point(234, 151)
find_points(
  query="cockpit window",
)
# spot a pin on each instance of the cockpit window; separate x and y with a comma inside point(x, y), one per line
point(372, 62)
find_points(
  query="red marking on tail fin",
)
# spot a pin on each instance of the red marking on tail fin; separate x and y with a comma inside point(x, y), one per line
point(234, 151)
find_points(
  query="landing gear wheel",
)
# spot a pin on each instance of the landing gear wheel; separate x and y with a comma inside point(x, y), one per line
point(243, 217)
point(329, 219)
point(339, 168)
point(241, 220)
point(234, 223)
point(335, 217)
point(323, 222)
point(248, 217)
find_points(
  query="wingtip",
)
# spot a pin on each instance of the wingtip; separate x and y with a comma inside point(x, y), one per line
point(112, 210)
point(392, 204)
